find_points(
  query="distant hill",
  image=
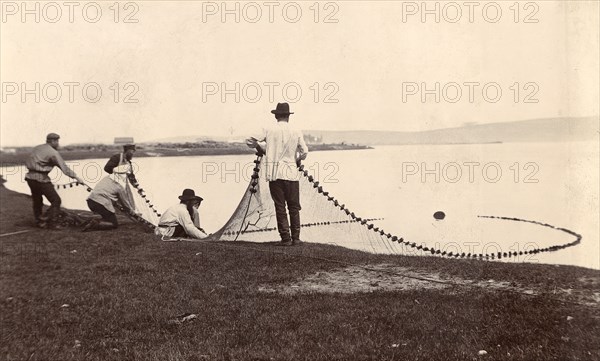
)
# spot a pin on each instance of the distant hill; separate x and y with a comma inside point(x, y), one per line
point(535, 130)
point(197, 139)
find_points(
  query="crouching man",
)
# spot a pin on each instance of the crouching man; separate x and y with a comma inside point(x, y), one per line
point(181, 220)
point(100, 201)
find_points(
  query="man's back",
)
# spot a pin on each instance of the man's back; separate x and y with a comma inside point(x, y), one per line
point(283, 141)
point(283, 144)
point(42, 160)
point(108, 191)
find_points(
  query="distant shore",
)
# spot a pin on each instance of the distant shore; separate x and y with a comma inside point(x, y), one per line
point(161, 150)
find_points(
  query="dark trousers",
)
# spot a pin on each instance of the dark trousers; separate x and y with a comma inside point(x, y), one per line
point(39, 189)
point(103, 212)
point(286, 192)
point(179, 231)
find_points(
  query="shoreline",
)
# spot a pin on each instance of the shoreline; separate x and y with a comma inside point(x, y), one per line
point(70, 153)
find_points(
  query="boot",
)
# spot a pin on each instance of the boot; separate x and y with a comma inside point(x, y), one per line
point(296, 236)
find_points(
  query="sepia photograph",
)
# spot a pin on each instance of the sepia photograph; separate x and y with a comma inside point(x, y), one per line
point(187, 180)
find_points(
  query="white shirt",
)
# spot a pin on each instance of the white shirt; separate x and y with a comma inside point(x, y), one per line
point(178, 214)
point(282, 145)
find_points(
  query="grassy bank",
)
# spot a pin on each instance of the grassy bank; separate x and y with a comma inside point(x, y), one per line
point(67, 295)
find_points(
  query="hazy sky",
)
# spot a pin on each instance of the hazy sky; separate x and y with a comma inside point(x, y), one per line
point(357, 64)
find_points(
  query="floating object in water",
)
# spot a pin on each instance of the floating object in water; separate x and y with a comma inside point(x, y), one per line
point(439, 215)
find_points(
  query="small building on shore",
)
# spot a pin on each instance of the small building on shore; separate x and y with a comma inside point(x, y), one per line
point(123, 140)
point(8, 150)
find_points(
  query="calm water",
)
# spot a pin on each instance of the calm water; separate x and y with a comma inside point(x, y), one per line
point(554, 183)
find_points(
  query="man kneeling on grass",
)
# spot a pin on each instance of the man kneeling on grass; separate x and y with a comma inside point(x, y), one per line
point(109, 190)
point(182, 220)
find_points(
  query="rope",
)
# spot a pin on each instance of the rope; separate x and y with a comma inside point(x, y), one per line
point(370, 226)
point(251, 189)
point(367, 222)
point(13, 233)
point(242, 222)
point(143, 194)
point(304, 225)
point(131, 215)
point(71, 184)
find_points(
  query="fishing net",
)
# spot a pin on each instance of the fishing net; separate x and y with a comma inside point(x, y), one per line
point(325, 219)
point(143, 210)
point(143, 205)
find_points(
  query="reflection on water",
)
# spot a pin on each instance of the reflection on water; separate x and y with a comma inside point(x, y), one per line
point(555, 183)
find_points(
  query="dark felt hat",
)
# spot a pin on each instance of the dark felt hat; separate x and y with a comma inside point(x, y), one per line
point(282, 109)
point(51, 136)
point(126, 147)
point(189, 194)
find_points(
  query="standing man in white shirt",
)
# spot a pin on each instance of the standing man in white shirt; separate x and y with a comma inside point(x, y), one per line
point(284, 147)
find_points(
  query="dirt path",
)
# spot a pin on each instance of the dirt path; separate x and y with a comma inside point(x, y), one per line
point(385, 277)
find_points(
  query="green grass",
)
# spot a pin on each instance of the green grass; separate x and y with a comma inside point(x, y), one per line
point(124, 287)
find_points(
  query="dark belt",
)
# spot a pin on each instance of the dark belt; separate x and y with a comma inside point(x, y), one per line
point(37, 171)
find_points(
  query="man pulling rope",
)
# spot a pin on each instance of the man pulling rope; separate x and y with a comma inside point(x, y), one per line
point(42, 160)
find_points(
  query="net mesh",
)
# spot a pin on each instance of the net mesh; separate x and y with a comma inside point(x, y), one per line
point(144, 211)
point(325, 219)
point(142, 205)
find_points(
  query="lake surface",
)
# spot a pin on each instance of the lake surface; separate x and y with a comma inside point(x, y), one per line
point(555, 183)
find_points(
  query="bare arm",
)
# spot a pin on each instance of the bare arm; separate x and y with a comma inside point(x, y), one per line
point(257, 142)
point(302, 147)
